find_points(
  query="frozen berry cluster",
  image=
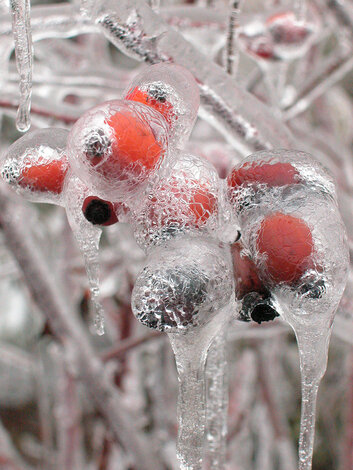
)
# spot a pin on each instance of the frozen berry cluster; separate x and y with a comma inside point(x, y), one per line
point(270, 229)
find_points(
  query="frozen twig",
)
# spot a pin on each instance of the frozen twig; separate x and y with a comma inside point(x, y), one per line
point(9, 457)
point(232, 56)
point(274, 411)
point(68, 414)
point(69, 330)
point(343, 16)
point(128, 344)
point(65, 114)
point(323, 80)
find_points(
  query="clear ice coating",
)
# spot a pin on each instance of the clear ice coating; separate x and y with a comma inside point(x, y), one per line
point(278, 213)
point(36, 165)
point(190, 350)
point(87, 236)
point(182, 286)
point(217, 402)
point(171, 90)
point(183, 290)
point(292, 259)
point(184, 200)
point(21, 28)
point(116, 146)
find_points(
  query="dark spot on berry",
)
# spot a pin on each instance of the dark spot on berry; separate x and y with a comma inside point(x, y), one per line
point(98, 212)
point(97, 144)
point(263, 312)
point(158, 92)
point(257, 307)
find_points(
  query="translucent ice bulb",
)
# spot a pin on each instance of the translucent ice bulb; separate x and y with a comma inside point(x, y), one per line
point(293, 261)
point(115, 147)
point(172, 91)
point(183, 201)
point(36, 165)
point(266, 177)
point(182, 286)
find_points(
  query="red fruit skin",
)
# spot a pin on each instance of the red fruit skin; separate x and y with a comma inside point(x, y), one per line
point(201, 203)
point(245, 273)
point(49, 177)
point(114, 207)
point(262, 48)
point(134, 148)
point(164, 108)
point(276, 174)
point(286, 28)
point(287, 245)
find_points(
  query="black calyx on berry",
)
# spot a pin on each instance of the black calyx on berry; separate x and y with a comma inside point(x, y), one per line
point(99, 212)
point(97, 144)
point(158, 92)
point(258, 308)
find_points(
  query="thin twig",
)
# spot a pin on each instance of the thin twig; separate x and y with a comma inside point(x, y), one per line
point(323, 80)
point(129, 344)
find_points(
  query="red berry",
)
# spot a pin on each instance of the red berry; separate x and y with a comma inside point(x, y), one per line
point(186, 202)
point(134, 143)
point(286, 29)
point(100, 212)
point(245, 273)
point(131, 148)
point(155, 101)
point(47, 177)
point(276, 174)
point(286, 243)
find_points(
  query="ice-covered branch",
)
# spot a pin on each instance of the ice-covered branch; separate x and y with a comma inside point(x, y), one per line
point(140, 33)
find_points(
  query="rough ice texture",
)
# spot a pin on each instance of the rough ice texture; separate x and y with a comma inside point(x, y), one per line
point(36, 165)
point(173, 91)
point(184, 200)
point(115, 147)
point(182, 286)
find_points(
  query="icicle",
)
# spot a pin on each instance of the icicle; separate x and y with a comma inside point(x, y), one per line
point(217, 403)
point(313, 351)
point(190, 351)
point(87, 237)
point(21, 27)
